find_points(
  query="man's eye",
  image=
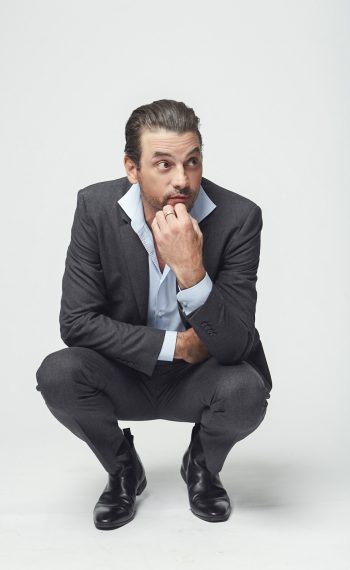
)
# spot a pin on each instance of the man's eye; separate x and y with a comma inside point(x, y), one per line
point(194, 161)
point(163, 164)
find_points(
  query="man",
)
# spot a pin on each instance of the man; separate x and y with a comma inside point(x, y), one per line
point(158, 314)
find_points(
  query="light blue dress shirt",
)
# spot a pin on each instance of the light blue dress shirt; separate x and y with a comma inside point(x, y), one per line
point(163, 312)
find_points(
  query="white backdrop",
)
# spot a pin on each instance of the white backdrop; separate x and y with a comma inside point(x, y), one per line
point(270, 83)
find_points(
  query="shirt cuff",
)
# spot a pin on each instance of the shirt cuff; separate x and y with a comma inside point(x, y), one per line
point(168, 348)
point(195, 296)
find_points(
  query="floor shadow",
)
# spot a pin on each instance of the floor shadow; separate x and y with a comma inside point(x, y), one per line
point(250, 485)
point(255, 485)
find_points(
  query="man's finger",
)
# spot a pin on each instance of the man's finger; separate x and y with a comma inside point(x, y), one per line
point(169, 213)
point(181, 211)
point(196, 226)
point(159, 219)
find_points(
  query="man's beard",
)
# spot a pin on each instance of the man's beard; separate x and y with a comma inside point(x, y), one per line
point(159, 204)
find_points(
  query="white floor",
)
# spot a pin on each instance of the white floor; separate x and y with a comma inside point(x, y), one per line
point(284, 516)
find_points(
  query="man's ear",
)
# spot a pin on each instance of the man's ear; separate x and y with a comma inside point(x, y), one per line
point(131, 169)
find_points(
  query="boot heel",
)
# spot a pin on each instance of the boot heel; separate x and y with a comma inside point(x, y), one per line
point(141, 486)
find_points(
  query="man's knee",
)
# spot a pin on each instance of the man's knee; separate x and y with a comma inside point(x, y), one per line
point(58, 371)
point(244, 392)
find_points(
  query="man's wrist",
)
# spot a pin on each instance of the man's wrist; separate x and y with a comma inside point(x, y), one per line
point(185, 282)
point(180, 346)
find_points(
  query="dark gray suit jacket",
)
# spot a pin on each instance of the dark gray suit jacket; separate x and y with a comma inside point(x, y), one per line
point(106, 280)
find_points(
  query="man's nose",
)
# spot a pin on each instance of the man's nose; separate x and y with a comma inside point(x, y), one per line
point(180, 179)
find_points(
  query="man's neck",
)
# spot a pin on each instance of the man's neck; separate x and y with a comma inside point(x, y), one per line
point(148, 213)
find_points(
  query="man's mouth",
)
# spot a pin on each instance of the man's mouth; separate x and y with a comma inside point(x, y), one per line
point(179, 197)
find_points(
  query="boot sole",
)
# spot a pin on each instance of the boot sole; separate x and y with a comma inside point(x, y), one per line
point(112, 526)
point(203, 517)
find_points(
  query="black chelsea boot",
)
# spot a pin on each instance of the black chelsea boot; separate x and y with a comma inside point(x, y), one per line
point(208, 498)
point(117, 504)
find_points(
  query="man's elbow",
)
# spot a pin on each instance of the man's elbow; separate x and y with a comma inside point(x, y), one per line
point(66, 335)
point(77, 330)
point(235, 353)
point(68, 331)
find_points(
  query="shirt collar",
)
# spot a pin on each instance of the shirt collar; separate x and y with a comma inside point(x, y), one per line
point(131, 203)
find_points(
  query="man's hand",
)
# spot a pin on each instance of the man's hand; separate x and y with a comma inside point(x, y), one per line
point(190, 348)
point(179, 242)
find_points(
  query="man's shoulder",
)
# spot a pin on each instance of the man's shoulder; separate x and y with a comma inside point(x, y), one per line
point(100, 199)
point(106, 191)
point(228, 202)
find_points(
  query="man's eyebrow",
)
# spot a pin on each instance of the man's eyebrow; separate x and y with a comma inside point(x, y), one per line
point(161, 153)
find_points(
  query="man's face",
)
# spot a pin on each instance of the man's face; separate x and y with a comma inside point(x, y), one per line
point(170, 166)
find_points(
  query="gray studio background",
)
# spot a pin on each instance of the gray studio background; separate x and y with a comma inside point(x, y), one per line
point(270, 83)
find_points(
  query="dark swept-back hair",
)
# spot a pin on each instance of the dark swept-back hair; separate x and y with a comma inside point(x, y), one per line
point(163, 114)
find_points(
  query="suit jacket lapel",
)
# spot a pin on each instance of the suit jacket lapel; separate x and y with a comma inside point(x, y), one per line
point(136, 258)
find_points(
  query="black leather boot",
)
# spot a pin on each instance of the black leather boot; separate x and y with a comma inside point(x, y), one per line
point(208, 498)
point(117, 504)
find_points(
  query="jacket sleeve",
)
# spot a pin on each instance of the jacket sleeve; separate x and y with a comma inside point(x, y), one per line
point(226, 320)
point(83, 304)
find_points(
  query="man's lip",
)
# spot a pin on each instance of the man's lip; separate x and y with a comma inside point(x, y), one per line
point(179, 198)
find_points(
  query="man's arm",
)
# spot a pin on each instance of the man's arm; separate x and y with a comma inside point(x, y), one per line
point(226, 320)
point(191, 298)
point(83, 303)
